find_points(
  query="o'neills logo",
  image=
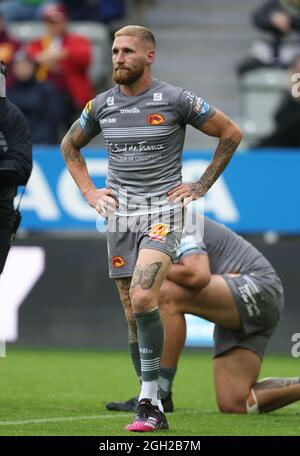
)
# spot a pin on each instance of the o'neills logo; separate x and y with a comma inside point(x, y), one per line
point(155, 119)
point(118, 261)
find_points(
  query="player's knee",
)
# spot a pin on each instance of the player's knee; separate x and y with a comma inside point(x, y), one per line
point(141, 300)
point(233, 403)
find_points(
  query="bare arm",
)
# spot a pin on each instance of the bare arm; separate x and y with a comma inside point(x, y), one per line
point(230, 136)
point(192, 271)
point(71, 146)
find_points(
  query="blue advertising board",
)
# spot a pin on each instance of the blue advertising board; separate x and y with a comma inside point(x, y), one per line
point(258, 192)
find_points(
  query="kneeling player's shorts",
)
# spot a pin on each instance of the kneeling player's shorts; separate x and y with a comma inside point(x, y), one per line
point(259, 301)
point(127, 234)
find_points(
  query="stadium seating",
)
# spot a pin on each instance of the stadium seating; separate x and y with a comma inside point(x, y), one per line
point(260, 93)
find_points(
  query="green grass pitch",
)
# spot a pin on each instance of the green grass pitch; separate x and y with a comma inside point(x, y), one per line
point(62, 393)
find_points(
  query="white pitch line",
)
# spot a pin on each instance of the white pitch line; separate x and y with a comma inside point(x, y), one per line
point(57, 419)
point(87, 417)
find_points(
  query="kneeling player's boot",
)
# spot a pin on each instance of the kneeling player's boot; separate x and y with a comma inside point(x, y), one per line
point(131, 405)
point(148, 418)
point(127, 406)
point(167, 404)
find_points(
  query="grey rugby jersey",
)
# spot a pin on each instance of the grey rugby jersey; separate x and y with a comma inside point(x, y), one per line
point(144, 138)
point(227, 252)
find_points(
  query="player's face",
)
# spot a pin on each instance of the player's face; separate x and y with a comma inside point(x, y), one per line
point(130, 57)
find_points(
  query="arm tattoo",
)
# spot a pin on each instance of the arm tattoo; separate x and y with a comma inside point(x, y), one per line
point(145, 277)
point(222, 155)
point(72, 143)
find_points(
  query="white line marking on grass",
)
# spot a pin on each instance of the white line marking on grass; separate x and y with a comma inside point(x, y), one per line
point(63, 418)
point(89, 417)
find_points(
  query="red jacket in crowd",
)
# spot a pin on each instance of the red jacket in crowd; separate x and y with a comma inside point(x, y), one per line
point(71, 72)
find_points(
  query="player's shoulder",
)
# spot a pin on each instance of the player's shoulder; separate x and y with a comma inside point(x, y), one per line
point(105, 98)
point(181, 96)
point(215, 232)
point(212, 226)
point(166, 87)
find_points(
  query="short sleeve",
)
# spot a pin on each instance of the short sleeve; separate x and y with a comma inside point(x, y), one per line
point(193, 110)
point(88, 121)
point(189, 246)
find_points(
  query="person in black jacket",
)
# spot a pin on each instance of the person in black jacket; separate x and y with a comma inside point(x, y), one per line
point(281, 40)
point(15, 165)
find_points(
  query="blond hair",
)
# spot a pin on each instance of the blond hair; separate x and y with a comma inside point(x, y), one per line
point(139, 31)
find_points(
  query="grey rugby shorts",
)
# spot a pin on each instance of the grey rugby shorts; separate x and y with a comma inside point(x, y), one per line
point(127, 235)
point(259, 300)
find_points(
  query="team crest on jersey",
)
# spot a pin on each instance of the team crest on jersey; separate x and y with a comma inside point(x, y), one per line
point(155, 119)
point(88, 106)
point(118, 261)
point(159, 232)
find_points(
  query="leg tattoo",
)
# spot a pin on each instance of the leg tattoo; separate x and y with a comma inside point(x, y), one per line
point(145, 277)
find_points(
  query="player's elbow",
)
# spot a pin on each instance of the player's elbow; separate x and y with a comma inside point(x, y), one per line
point(197, 271)
point(64, 143)
point(238, 134)
point(234, 133)
point(231, 131)
point(201, 281)
point(197, 279)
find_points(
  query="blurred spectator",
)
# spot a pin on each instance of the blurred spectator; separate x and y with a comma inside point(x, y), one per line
point(8, 45)
point(23, 10)
point(63, 58)
point(286, 132)
point(39, 101)
point(281, 42)
point(95, 10)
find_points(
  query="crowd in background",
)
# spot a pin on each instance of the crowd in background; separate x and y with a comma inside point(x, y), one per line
point(78, 10)
point(49, 77)
point(278, 47)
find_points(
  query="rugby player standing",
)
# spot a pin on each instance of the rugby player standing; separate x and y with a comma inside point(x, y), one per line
point(143, 121)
